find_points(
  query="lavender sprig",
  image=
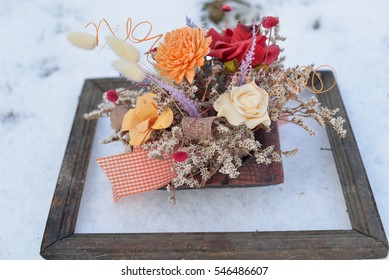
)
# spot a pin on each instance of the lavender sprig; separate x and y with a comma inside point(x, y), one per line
point(178, 95)
point(245, 66)
point(190, 22)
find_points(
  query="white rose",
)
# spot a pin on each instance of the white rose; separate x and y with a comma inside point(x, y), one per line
point(245, 104)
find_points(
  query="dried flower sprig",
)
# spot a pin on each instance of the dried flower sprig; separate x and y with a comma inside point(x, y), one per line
point(185, 103)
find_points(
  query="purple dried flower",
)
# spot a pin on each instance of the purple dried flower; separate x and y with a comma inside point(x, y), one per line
point(178, 95)
point(248, 59)
point(190, 22)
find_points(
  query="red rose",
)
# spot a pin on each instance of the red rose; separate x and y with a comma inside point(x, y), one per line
point(235, 43)
point(269, 22)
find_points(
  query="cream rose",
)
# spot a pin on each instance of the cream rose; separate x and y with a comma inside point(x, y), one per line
point(245, 104)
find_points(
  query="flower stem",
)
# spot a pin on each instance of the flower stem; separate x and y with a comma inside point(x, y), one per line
point(133, 86)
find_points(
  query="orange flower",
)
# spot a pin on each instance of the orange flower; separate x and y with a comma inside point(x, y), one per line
point(182, 50)
point(142, 120)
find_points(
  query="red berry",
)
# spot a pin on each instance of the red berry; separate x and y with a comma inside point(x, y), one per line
point(112, 96)
point(226, 8)
point(180, 156)
point(269, 22)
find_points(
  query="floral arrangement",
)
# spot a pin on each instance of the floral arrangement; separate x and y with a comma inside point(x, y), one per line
point(194, 111)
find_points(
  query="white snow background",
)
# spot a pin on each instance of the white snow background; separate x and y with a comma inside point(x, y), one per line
point(41, 77)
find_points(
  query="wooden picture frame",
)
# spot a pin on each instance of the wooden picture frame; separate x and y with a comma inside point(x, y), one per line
point(365, 240)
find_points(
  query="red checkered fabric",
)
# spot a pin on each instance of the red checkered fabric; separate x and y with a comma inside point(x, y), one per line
point(136, 172)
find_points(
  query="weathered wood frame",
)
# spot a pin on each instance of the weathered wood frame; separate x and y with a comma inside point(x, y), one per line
point(367, 238)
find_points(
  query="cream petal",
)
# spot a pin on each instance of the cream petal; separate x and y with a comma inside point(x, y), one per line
point(251, 100)
point(253, 86)
point(233, 117)
point(244, 104)
point(224, 98)
point(241, 110)
point(249, 112)
point(235, 96)
point(252, 123)
point(267, 120)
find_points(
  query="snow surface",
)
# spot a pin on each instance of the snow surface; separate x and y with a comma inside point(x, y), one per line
point(42, 75)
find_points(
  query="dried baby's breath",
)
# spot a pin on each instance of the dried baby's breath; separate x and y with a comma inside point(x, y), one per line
point(290, 153)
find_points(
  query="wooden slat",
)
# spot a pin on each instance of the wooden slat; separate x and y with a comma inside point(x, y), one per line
point(241, 245)
point(361, 206)
point(66, 200)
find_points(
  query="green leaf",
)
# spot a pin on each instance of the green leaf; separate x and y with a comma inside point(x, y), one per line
point(231, 66)
point(260, 66)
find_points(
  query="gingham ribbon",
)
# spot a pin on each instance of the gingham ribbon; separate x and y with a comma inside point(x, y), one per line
point(136, 172)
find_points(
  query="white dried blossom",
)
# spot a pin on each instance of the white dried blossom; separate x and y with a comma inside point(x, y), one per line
point(112, 138)
point(337, 124)
point(290, 153)
point(302, 124)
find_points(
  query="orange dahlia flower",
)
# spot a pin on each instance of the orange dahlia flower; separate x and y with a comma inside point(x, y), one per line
point(182, 50)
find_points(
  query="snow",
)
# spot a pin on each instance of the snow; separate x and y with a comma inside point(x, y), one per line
point(42, 75)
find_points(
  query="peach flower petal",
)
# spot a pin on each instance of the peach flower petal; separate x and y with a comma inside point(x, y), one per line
point(138, 138)
point(130, 120)
point(146, 111)
point(141, 121)
point(164, 120)
point(147, 98)
point(145, 125)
